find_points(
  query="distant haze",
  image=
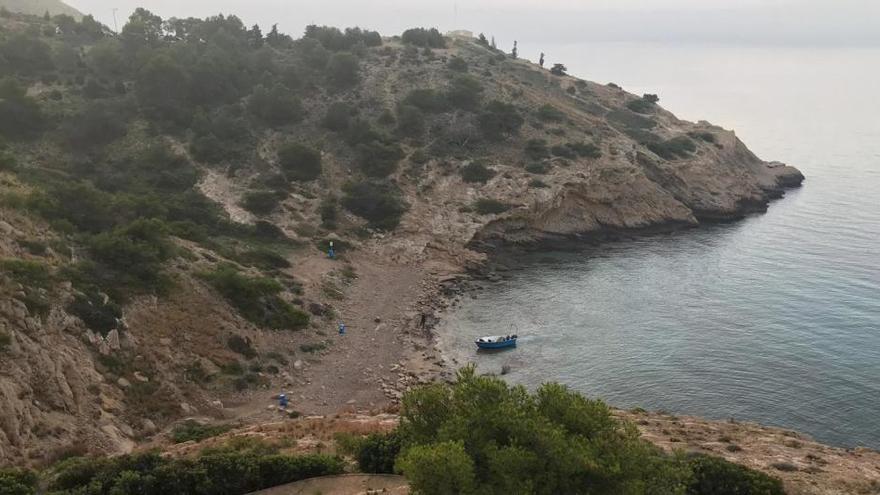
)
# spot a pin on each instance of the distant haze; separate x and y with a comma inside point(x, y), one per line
point(767, 22)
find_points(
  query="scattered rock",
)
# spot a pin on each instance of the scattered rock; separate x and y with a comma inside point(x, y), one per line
point(298, 364)
point(122, 382)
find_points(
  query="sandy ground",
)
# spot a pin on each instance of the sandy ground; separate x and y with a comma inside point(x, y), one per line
point(345, 484)
point(383, 351)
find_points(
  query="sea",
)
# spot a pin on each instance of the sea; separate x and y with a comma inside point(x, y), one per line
point(773, 319)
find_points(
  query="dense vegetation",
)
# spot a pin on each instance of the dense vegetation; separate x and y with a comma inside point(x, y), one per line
point(480, 435)
point(235, 469)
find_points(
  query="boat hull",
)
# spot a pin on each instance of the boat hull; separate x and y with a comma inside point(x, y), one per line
point(496, 345)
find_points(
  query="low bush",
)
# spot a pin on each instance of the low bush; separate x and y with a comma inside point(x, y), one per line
point(537, 184)
point(476, 172)
point(256, 298)
point(704, 136)
point(428, 100)
point(378, 202)
point(536, 149)
point(97, 313)
point(343, 70)
point(261, 202)
point(457, 64)
point(538, 168)
point(585, 150)
point(299, 162)
point(671, 149)
point(378, 158)
point(193, 431)
point(17, 482)
point(410, 121)
point(486, 206)
point(133, 255)
point(716, 476)
point(499, 120)
point(563, 151)
point(376, 453)
point(241, 345)
point(464, 92)
point(338, 117)
point(641, 106)
point(214, 472)
point(262, 258)
point(275, 106)
point(429, 38)
point(549, 113)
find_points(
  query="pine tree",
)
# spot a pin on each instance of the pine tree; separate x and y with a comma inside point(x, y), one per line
point(494, 46)
point(514, 51)
point(541, 62)
point(482, 40)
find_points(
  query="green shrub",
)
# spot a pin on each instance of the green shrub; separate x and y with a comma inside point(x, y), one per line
point(343, 69)
point(563, 151)
point(440, 469)
point(457, 64)
point(28, 273)
point(499, 120)
point(487, 206)
point(377, 202)
point(313, 347)
point(428, 100)
point(17, 482)
point(537, 184)
point(193, 431)
point(641, 106)
point(134, 253)
point(214, 472)
point(20, 115)
point(410, 121)
point(261, 202)
point(377, 452)
point(671, 149)
point(378, 158)
point(98, 314)
point(338, 117)
point(704, 136)
point(96, 125)
point(476, 172)
point(256, 299)
point(299, 162)
point(536, 149)
point(276, 105)
point(538, 168)
point(716, 476)
point(429, 38)
point(263, 258)
point(549, 113)
point(241, 345)
point(585, 150)
point(464, 92)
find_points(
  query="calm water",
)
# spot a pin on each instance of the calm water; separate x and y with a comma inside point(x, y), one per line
point(774, 319)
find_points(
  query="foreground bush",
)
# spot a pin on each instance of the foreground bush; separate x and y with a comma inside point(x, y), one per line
point(713, 475)
point(16, 482)
point(216, 472)
point(479, 435)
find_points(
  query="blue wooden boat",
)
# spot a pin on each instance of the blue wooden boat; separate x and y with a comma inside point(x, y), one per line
point(496, 342)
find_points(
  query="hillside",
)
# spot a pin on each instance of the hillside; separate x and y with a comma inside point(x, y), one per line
point(169, 196)
point(40, 7)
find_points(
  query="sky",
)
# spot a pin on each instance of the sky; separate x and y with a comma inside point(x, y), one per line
point(534, 22)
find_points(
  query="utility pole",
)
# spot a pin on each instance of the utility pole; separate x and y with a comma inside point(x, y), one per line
point(115, 24)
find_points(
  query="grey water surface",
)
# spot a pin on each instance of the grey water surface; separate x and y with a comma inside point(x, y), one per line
point(774, 319)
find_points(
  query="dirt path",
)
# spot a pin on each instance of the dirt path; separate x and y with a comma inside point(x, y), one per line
point(345, 484)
